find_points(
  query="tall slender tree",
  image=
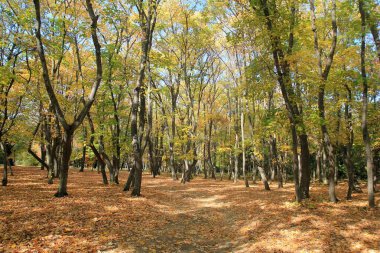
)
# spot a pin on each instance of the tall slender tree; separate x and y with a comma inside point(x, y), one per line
point(323, 74)
point(365, 132)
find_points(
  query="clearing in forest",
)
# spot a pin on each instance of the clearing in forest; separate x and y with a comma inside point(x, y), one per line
point(201, 216)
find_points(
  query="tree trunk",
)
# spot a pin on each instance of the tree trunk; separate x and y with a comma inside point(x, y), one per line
point(99, 156)
point(116, 165)
point(50, 161)
point(137, 153)
point(103, 172)
point(298, 191)
point(209, 154)
point(106, 160)
point(263, 178)
point(83, 162)
point(172, 131)
point(43, 154)
point(149, 140)
point(51, 157)
point(373, 26)
point(205, 143)
point(285, 81)
point(323, 73)
point(171, 160)
point(58, 161)
point(305, 163)
point(275, 161)
point(78, 119)
point(319, 165)
point(83, 150)
point(243, 147)
point(147, 24)
point(66, 153)
point(4, 182)
point(254, 172)
point(348, 147)
point(130, 179)
point(366, 136)
point(236, 157)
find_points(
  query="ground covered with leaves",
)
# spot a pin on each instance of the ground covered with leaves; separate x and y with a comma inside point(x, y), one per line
point(201, 216)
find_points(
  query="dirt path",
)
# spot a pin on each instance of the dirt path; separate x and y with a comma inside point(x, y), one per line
point(202, 216)
point(199, 217)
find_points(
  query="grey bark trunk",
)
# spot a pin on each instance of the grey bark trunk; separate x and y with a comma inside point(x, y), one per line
point(365, 132)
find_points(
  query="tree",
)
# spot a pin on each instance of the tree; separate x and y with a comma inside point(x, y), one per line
point(365, 132)
point(68, 128)
point(147, 21)
point(324, 73)
point(14, 59)
point(283, 72)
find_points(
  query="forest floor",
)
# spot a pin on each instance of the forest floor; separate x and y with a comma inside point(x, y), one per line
point(201, 216)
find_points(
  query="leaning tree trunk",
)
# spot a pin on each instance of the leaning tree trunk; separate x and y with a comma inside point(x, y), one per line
point(264, 178)
point(130, 179)
point(43, 153)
